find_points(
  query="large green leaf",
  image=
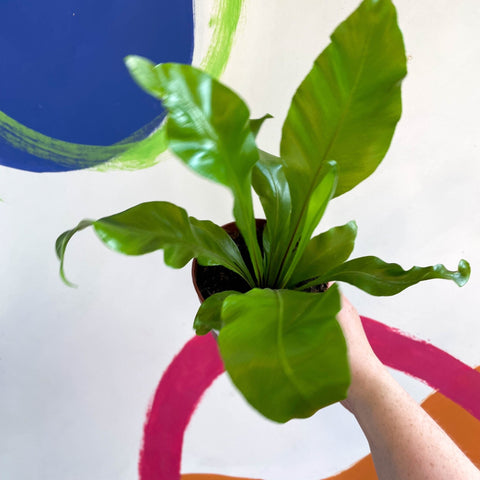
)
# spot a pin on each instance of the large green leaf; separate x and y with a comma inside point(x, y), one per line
point(380, 278)
point(325, 252)
point(161, 225)
point(347, 107)
point(285, 350)
point(208, 128)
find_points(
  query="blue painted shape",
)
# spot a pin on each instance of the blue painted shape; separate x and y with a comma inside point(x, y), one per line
point(62, 71)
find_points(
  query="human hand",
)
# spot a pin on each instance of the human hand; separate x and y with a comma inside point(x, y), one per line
point(404, 440)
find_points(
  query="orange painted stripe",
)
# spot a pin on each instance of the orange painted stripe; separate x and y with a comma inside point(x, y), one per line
point(362, 470)
point(463, 428)
point(208, 476)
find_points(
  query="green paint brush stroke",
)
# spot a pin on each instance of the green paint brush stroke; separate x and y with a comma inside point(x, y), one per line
point(129, 154)
point(224, 21)
point(143, 154)
point(60, 152)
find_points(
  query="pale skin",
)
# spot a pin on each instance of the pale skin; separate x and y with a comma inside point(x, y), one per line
point(405, 442)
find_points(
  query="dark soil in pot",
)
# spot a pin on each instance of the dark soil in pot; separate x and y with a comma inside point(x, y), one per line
point(210, 280)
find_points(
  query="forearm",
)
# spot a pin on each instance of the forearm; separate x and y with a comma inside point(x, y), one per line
point(406, 443)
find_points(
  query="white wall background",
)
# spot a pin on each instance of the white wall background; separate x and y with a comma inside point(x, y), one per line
point(78, 366)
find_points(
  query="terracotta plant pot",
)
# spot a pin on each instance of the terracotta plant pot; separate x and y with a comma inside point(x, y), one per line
point(210, 280)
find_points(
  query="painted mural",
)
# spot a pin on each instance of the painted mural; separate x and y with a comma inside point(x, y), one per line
point(67, 100)
point(455, 406)
point(67, 103)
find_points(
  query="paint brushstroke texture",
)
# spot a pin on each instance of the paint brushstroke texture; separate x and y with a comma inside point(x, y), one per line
point(66, 79)
point(199, 364)
point(189, 375)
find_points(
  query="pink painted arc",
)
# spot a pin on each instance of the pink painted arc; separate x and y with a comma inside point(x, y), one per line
point(198, 364)
point(189, 375)
point(441, 371)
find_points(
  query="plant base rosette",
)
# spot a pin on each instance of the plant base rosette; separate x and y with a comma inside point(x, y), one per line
point(281, 345)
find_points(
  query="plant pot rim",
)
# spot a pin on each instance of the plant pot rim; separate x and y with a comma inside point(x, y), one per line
point(230, 228)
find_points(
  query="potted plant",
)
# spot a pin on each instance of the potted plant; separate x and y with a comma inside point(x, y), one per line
point(276, 321)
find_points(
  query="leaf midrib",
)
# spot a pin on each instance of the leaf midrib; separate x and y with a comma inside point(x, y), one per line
point(173, 241)
point(338, 128)
point(394, 282)
point(287, 369)
point(209, 130)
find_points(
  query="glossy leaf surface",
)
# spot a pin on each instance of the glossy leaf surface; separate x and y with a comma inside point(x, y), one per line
point(209, 315)
point(285, 350)
point(143, 72)
point(208, 128)
point(161, 225)
point(347, 107)
point(325, 252)
point(270, 184)
point(380, 278)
